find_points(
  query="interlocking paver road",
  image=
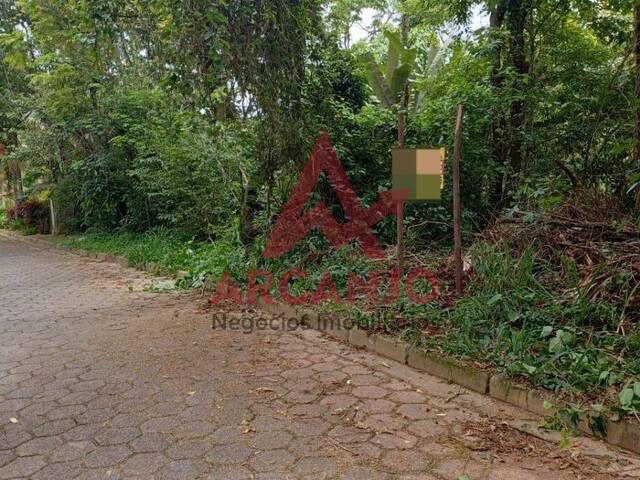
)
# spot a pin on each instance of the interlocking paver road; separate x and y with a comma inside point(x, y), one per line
point(101, 380)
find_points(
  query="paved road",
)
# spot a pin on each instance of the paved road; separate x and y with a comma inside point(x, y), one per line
point(101, 380)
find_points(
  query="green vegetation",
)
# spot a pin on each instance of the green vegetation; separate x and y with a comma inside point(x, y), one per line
point(173, 133)
point(30, 216)
point(171, 253)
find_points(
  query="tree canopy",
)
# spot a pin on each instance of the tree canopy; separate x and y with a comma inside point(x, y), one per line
point(135, 113)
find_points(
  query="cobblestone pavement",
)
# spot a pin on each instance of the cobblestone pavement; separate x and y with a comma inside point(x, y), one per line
point(102, 380)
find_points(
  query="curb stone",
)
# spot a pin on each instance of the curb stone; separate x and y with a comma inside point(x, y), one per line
point(502, 388)
point(391, 348)
point(623, 434)
point(361, 339)
point(451, 370)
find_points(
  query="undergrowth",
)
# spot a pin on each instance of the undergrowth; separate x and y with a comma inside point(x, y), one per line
point(171, 253)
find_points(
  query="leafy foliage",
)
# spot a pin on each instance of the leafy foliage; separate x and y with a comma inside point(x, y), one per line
point(389, 80)
point(30, 216)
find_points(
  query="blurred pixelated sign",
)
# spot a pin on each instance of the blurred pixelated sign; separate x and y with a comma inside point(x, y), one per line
point(418, 173)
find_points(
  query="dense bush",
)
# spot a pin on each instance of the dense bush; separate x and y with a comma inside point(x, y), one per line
point(31, 216)
point(151, 165)
point(66, 201)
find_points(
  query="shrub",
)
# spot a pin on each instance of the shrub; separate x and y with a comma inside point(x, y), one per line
point(65, 200)
point(10, 214)
point(31, 216)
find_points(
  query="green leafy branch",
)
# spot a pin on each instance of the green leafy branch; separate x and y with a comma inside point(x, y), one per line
point(389, 80)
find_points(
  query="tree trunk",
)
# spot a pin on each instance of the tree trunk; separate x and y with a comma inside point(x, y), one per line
point(15, 170)
point(498, 123)
point(3, 195)
point(17, 185)
point(3, 179)
point(517, 22)
point(402, 120)
point(636, 150)
point(402, 116)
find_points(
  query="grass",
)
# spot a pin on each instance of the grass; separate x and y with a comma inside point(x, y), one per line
point(513, 320)
point(171, 253)
point(19, 226)
point(516, 319)
point(158, 247)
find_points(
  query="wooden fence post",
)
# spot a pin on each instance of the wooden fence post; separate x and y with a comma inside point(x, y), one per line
point(400, 235)
point(457, 220)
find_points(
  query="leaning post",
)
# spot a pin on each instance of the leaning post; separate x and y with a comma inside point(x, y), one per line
point(457, 220)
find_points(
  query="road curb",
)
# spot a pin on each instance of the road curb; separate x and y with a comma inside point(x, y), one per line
point(622, 433)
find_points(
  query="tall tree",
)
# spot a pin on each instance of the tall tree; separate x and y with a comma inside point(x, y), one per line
point(404, 104)
point(636, 48)
point(13, 85)
point(517, 12)
point(498, 121)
